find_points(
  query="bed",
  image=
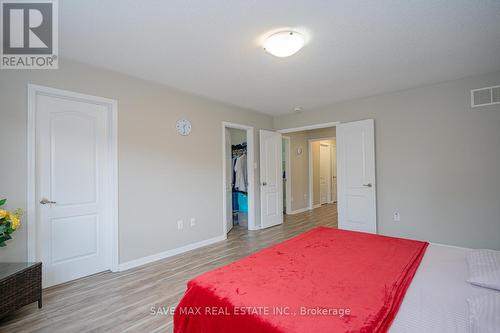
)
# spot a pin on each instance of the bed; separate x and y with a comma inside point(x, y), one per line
point(436, 301)
point(385, 284)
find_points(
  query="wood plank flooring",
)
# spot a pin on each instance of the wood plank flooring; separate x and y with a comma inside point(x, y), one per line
point(123, 302)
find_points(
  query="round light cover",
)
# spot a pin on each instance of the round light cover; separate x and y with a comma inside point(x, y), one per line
point(284, 43)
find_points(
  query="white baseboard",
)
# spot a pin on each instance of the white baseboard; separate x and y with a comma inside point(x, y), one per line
point(162, 255)
point(255, 227)
point(298, 211)
point(316, 206)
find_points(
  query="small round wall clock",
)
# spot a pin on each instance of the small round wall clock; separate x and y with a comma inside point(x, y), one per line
point(183, 127)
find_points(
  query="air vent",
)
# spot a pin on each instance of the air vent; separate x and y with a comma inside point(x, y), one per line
point(495, 92)
point(485, 96)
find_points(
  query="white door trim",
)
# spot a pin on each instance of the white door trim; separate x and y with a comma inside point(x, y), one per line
point(329, 193)
point(251, 174)
point(310, 167)
point(33, 252)
point(288, 172)
point(308, 127)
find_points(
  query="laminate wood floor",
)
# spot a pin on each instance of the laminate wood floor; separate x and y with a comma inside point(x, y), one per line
point(123, 302)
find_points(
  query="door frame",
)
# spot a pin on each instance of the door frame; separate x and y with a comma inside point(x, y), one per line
point(330, 165)
point(288, 172)
point(310, 167)
point(325, 125)
point(250, 171)
point(308, 127)
point(111, 197)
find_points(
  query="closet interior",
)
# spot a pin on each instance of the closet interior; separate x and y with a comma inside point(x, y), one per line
point(239, 179)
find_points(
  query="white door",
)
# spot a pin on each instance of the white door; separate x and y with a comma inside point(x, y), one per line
point(356, 176)
point(325, 169)
point(229, 182)
point(271, 189)
point(334, 174)
point(73, 215)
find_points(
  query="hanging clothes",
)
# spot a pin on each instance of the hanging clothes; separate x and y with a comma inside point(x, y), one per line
point(240, 174)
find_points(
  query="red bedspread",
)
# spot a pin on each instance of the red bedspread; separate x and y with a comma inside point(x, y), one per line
point(324, 280)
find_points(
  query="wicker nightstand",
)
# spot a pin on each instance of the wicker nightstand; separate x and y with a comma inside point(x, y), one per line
point(20, 285)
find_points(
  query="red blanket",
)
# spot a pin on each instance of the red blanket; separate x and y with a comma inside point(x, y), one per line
point(324, 280)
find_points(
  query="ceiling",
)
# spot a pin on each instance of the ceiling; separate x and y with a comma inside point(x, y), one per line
point(355, 48)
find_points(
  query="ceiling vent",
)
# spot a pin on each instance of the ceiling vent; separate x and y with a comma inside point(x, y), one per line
point(485, 96)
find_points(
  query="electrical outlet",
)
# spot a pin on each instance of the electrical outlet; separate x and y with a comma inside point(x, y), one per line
point(396, 217)
point(193, 221)
point(180, 224)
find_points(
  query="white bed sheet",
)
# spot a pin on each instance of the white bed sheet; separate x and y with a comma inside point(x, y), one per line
point(436, 301)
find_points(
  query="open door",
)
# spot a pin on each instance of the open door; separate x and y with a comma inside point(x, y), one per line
point(271, 189)
point(229, 182)
point(356, 176)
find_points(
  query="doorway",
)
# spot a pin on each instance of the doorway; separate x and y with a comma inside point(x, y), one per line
point(301, 166)
point(238, 177)
point(72, 184)
point(354, 164)
point(322, 172)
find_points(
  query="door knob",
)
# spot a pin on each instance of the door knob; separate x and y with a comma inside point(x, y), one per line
point(45, 201)
point(367, 185)
point(264, 183)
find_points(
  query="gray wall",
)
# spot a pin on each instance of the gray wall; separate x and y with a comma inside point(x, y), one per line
point(437, 160)
point(163, 177)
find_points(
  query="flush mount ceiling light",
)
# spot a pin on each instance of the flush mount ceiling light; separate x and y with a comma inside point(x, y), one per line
point(284, 43)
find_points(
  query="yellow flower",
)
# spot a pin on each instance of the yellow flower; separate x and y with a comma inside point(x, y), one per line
point(3, 213)
point(14, 220)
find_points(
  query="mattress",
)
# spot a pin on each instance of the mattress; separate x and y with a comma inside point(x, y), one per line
point(436, 301)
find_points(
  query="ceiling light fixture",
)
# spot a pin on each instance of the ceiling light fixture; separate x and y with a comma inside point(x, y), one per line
point(284, 43)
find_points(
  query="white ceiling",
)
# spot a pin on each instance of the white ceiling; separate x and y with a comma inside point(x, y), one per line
point(355, 49)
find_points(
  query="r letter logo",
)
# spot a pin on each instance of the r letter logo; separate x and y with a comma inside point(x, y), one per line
point(29, 34)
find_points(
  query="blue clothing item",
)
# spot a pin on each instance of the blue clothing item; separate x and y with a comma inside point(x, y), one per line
point(242, 202)
point(235, 201)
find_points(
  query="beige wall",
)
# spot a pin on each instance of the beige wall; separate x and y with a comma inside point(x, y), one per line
point(437, 160)
point(163, 177)
point(321, 133)
point(299, 164)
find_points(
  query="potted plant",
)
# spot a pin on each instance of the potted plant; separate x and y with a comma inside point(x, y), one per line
point(9, 222)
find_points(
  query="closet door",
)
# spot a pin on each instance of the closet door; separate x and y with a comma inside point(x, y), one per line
point(271, 189)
